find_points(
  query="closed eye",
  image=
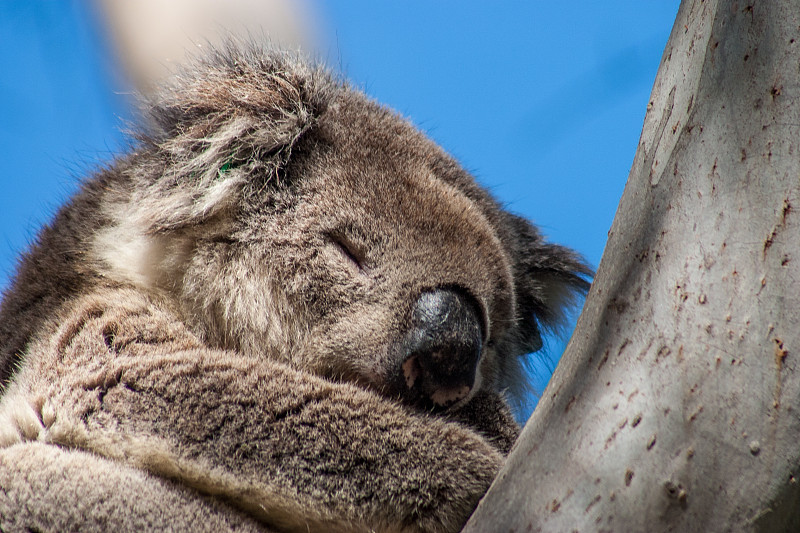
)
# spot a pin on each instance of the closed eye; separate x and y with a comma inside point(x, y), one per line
point(349, 250)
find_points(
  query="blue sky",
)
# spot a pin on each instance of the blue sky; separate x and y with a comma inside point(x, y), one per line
point(542, 101)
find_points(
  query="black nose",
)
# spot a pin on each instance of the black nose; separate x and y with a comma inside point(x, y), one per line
point(442, 349)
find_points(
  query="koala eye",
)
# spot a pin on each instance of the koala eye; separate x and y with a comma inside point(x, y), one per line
point(352, 252)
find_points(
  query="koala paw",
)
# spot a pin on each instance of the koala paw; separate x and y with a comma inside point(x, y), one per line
point(21, 421)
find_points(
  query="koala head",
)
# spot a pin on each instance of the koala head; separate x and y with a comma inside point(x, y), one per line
point(289, 216)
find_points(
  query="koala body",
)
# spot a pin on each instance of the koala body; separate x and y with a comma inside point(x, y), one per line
point(285, 306)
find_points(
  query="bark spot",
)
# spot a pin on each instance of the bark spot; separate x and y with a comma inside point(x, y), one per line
point(628, 477)
point(570, 403)
point(625, 344)
point(592, 503)
point(663, 352)
point(603, 359)
point(780, 353)
point(610, 439)
point(681, 292)
point(755, 447)
point(676, 492)
point(636, 420)
point(651, 442)
point(770, 239)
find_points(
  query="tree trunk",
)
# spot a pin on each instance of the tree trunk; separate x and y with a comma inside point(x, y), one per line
point(676, 406)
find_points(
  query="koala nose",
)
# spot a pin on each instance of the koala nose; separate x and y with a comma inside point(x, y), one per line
point(442, 349)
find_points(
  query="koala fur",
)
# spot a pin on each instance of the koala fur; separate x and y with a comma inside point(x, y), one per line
point(285, 309)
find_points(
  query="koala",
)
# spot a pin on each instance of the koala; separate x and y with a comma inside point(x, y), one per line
point(285, 309)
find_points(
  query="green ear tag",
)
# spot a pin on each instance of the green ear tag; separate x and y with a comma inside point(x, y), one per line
point(224, 169)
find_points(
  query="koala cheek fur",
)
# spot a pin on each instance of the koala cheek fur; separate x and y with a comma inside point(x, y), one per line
point(285, 306)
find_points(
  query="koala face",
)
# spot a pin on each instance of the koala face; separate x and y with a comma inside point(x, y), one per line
point(411, 282)
point(291, 217)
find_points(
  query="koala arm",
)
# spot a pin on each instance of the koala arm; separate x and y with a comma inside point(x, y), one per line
point(490, 416)
point(48, 488)
point(129, 382)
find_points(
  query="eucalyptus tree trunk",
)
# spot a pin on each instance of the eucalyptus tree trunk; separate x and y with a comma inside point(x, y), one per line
point(676, 406)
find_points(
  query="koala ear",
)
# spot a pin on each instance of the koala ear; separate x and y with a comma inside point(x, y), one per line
point(548, 279)
point(226, 124)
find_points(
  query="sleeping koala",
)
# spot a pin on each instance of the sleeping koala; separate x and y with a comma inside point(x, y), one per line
point(285, 309)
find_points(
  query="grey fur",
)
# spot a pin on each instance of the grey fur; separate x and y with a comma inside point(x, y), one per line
point(215, 317)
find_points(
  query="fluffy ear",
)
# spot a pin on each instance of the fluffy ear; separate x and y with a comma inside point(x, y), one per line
point(548, 279)
point(225, 124)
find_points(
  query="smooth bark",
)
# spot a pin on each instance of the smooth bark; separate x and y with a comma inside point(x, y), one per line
point(676, 406)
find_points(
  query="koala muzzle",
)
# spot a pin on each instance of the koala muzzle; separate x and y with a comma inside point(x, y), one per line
point(442, 349)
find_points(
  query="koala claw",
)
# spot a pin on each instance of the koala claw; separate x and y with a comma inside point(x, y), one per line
point(19, 422)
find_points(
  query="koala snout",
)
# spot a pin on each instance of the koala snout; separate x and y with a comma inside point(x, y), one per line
point(442, 349)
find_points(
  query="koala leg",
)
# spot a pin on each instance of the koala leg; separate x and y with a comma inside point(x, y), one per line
point(298, 452)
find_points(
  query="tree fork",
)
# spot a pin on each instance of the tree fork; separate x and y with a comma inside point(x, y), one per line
point(676, 405)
